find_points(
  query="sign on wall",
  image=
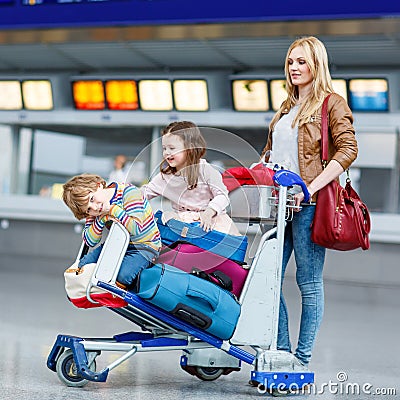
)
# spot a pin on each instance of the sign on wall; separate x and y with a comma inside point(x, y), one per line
point(17, 14)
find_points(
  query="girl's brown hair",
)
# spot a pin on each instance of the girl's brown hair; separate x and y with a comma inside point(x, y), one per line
point(76, 192)
point(195, 148)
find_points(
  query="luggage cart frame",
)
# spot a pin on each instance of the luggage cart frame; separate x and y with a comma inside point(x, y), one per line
point(204, 355)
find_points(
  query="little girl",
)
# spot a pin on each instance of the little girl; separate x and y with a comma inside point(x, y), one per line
point(193, 186)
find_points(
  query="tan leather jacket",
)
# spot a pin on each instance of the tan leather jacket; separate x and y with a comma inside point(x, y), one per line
point(342, 141)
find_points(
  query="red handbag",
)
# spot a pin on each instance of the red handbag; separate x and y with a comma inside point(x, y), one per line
point(341, 220)
point(239, 176)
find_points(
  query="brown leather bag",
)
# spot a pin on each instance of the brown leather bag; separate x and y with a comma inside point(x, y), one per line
point(341, 220)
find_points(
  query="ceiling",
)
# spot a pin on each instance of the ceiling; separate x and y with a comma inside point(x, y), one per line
point(237, 47)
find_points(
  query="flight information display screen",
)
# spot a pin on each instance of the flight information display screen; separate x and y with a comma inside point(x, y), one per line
point(30, 14)
point(40, 2)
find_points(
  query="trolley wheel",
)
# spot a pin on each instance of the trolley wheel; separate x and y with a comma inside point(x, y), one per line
point(67, 371)
point(208, 373)
point(189, 369)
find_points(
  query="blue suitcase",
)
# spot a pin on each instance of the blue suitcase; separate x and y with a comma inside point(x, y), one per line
point(190, 298)
point(228, 246)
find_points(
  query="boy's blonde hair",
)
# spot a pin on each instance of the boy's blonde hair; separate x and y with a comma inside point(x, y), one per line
point(76, 192)
point(195, 147)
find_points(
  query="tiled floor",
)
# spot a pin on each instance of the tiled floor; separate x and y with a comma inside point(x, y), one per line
point(358, 347)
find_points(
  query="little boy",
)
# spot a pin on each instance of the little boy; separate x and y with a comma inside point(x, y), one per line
point(88, 197)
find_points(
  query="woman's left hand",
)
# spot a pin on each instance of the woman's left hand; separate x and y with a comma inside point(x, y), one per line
point(298, 199)
point(207, 219)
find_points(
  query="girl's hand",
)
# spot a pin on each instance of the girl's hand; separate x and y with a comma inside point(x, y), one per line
point(207, 219)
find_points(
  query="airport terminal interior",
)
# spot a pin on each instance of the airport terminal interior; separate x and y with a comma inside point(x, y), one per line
point(78, 89)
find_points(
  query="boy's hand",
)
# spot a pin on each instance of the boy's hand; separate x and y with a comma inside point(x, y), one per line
point(207, 219)
point(105, 214)
point(109, 217)
point(106, 209)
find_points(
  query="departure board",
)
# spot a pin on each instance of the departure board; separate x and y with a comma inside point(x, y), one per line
point(44, 2)
point(31, 14)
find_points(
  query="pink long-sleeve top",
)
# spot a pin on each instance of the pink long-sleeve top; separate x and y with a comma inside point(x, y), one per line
point(209, 192)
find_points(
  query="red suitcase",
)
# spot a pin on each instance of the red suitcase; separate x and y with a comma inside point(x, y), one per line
point(188, 257)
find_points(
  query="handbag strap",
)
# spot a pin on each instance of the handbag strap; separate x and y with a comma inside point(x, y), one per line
point(362, 223)
point(324, 131)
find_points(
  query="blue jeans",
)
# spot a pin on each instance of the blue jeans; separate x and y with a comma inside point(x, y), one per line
point(136, 259)
point(309, 259)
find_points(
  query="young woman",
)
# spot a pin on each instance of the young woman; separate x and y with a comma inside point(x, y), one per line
point(194, 187)
point(294, 141)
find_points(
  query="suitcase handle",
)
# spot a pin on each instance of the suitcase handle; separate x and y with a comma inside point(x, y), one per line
point(213, 302)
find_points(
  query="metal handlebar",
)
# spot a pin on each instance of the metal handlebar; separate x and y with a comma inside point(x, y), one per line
point(287, 178)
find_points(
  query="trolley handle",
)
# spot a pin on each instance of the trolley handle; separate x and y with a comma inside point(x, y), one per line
point(283, 177)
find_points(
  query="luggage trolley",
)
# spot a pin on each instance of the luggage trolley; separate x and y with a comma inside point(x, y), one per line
point(203, 354)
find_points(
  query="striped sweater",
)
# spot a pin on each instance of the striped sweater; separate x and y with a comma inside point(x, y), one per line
point(133, 211)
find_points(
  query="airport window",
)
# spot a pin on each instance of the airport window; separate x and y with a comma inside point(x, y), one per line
point(155, 95)
point(57, 156)
point(250, 95)
point(368, 94)
point(121, 95)
point(10, 95)
point(278, 93)
point(340, 87)
point(37, 95)
point(6, 161)
point(190, 95)
point(88, 95)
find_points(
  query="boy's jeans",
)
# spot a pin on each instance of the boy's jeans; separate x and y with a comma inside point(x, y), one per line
point(310, 260)
point(136, 258)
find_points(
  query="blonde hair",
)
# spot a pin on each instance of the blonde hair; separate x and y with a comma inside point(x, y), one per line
point(195, 148)
point(316, 59)
point(76, 192)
